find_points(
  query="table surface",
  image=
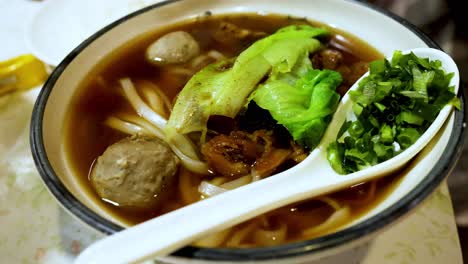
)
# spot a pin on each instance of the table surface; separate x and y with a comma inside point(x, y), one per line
point(35, 229)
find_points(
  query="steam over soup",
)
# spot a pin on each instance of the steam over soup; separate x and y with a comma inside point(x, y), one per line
point(212, 104)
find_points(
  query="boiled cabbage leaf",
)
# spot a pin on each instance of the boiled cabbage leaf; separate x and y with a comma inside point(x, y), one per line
point(303, 101)
point(222, 88)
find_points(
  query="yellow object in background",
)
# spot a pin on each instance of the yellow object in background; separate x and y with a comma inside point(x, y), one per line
point(21, 73)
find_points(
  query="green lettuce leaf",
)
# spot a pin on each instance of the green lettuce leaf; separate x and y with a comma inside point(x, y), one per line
point(304, 105)
point(222, 88)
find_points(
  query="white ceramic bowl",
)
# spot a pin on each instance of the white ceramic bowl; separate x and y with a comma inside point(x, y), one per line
point(380, 29)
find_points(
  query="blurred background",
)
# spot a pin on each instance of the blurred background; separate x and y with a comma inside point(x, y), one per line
point(445, 22)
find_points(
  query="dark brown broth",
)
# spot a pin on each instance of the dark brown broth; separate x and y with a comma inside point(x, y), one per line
point(98, 97)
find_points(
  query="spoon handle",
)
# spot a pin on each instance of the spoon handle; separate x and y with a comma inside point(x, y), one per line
point(161, 236)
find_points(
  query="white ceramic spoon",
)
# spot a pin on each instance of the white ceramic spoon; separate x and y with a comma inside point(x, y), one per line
point(312, 177)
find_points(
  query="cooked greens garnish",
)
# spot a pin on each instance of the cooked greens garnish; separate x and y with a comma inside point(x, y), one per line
point(222, 88)
point(394, 106)
point(304, 105)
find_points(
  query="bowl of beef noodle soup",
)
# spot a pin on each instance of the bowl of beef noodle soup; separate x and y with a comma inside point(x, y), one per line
point(162, 109)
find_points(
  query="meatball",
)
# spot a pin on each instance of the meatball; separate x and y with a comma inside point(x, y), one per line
point(135, 172)
point(327, 59)
point(173, 48)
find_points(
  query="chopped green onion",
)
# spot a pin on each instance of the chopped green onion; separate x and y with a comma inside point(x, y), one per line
point(386, 134)
point(376, 67)
point(407, 137)
point(380, 106)
point(335, 156)
point(343, 128)
point(390, 117)
point(356, 129)
point(357, 109)
point(383, 151)
point(394, 105)
point(427, 111)
point(421, 80)
point(396, 57)
point(374, 122)
point(409, 118)
point(414, 94)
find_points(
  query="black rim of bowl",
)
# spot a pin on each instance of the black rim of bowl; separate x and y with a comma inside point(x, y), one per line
point(413, 198)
